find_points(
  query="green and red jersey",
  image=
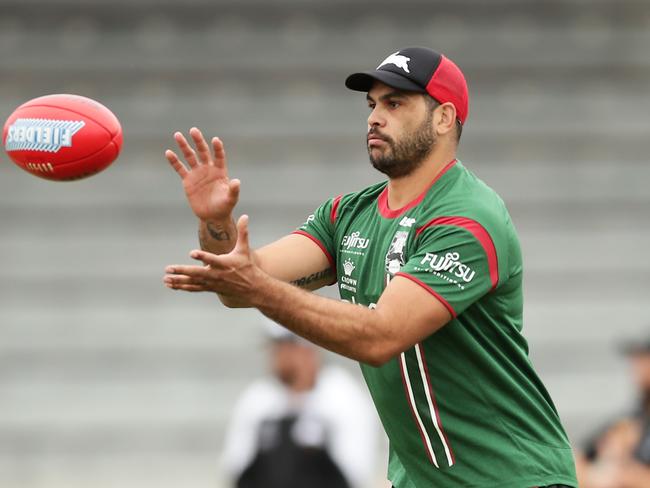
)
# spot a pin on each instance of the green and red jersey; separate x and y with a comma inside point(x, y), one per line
point(464, 407)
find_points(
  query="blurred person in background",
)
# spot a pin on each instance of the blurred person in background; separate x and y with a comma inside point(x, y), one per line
point(618, 456)
point(304, 426)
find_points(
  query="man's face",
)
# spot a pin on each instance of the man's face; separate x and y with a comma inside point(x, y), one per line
point(400, 130)
point(294, 363)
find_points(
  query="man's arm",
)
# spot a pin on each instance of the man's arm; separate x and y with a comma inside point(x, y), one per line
point(293, 259)
point(404, 315)
point(212, 195)
point(297, 260)
point(217, 237)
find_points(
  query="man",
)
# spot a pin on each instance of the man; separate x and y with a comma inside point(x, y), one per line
point(308, 425)
point(618, 456)
point(434, 260)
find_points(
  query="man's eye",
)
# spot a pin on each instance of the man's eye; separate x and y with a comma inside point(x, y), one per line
point(393, 104)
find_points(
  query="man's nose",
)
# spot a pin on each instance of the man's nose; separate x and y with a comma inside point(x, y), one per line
point(375, 119)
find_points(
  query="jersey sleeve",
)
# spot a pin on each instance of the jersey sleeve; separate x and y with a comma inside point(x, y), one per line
point(455, 260)
point(319, 227)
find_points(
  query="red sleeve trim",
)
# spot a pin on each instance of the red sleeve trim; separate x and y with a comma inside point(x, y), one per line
point(335, 208)
point(430, 290)
point(319, 244)
point(479, 232)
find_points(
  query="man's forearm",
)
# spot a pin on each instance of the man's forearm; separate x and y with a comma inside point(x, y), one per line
point(217, 237)
point(350, 330)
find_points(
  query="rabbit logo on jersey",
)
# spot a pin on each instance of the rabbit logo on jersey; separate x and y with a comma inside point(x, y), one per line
point(395, 255)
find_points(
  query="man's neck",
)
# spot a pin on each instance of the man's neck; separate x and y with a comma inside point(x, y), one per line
point(403, 190)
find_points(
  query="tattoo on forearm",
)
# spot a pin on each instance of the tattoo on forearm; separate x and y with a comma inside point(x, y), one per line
point(307, 280)
point(218, 233)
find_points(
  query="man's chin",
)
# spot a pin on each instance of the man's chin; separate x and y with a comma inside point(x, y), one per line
point(393, 169)
point(377, 149)
point(380, 166)
point(378, 155)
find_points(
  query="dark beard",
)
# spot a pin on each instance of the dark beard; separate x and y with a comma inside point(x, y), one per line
point(406, 155)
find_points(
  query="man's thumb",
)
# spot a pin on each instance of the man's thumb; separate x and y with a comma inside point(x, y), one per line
point(242, 235)
point(233, 188)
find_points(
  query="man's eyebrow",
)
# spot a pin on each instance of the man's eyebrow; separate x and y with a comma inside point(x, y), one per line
point(393, 94)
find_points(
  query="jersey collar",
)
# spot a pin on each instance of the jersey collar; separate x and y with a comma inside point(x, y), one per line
point(382, 200)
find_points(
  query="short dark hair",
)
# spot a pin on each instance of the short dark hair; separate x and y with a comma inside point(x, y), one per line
point(433, 104)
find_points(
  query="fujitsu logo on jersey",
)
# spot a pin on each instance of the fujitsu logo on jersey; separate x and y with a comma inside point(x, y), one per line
point(354, 241)
point(450, 262)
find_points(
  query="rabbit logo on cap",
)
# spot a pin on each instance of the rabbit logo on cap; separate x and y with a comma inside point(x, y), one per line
point(398, 60)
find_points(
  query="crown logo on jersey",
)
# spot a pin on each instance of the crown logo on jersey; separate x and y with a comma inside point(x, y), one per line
point(348, 267)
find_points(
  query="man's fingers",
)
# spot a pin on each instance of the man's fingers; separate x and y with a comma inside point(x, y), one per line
point(202, 148)
point(176, 163)
point(181, 279)
point(192, 288)
point(188, 153)
point(185, 282)
point(209, 259)
point(198, 273)
point(219, 155)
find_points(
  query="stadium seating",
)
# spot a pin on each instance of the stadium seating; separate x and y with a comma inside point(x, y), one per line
point(109, 379)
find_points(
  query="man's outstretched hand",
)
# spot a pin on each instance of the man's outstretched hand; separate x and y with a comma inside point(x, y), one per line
point(210, 193)
point(234, 275)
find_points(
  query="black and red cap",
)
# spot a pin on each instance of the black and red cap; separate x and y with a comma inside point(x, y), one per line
point(421, 70)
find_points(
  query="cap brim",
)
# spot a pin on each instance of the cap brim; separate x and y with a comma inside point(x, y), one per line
point(363, 81)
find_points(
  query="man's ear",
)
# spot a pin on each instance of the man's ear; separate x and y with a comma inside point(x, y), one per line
point(445, 118)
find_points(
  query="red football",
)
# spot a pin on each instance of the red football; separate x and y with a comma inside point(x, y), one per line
point(62, 137)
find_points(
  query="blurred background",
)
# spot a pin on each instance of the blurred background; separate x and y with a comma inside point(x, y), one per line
point(109, 379)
